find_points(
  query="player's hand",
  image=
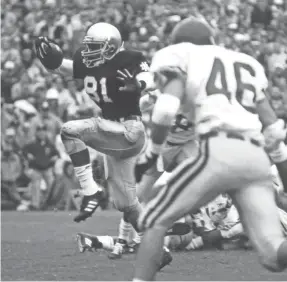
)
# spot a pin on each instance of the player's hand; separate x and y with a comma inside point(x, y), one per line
point(42, 44)
point(129, 80)
point(48, 52)
point(144, 163)
point(274, 135)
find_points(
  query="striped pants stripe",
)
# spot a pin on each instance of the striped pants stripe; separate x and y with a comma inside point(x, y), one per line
point(166, 196)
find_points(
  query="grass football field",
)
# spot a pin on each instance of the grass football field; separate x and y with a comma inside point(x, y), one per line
point(41, 246)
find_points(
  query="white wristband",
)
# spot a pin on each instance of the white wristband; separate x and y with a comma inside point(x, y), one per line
point(280, 154)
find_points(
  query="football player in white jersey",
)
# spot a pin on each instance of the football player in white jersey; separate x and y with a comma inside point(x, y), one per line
point(222, 93)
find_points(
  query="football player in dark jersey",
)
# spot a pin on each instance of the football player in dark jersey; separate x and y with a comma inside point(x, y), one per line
point(113, 78)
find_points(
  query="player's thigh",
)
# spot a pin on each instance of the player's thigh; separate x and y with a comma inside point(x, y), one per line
point(121, 181)
point(127, 138)
point(260, 219)
point(108, 137)
point(191, 185)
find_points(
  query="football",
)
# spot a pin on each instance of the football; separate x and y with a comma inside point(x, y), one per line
point(54, 58)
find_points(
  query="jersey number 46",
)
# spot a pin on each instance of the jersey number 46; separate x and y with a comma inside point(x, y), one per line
point(217, 83)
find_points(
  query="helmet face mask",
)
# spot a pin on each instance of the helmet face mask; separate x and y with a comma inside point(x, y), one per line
point(93, 55)
point(103, 41)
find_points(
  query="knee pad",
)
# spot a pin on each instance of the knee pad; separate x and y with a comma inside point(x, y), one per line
point(71, 137)
point(69, 130)
point(120, 206)
point(126, 204)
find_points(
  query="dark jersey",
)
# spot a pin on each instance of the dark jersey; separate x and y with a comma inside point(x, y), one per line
point(102, 85)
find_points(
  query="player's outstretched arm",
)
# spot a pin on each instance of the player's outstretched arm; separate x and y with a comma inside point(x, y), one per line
point(52, 58)
point(66, 68)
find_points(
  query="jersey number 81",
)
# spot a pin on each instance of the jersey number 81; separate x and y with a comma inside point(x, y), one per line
point(97, 91)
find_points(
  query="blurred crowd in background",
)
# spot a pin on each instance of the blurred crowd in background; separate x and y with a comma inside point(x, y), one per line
point(36, 173)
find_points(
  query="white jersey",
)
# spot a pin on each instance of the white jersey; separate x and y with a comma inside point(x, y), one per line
point(221, 87)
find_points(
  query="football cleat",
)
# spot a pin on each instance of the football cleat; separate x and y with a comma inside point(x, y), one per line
point(166, 258)
point(120, 248)
point(88, 242)
point(89, 205)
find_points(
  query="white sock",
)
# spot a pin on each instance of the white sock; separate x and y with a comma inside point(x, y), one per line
point(85, 176)
point(124, 230)
point(107, 241)
point(165, 248)
point(138, 280)
point(138, 237)
point(166, 241)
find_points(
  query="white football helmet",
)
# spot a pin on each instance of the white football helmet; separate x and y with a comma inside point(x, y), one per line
point(103, 41)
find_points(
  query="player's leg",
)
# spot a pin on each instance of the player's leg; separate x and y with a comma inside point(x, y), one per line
point(117, 139)
point(260, 219)
point(125, 228)
point(121, 181)
point(192, 184)
point(89, 242)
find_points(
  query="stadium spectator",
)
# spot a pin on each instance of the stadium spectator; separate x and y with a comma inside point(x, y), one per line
point(50, 121)
point(11, 170)
point(41, 155)
point(261, 13)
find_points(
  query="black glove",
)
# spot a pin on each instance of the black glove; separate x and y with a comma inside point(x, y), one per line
point(131, 84)
point(48, 52)
point(144, 163)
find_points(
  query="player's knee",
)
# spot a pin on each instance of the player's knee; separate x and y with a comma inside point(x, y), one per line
point(132, 213)
point(271, 264)
point(275, 260)
point(69, 130)
point(132, 210)
point(120, 205)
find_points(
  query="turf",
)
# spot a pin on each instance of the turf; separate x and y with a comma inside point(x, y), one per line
point(41, 246)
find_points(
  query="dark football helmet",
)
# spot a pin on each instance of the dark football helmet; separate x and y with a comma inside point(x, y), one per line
point(193, 30)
